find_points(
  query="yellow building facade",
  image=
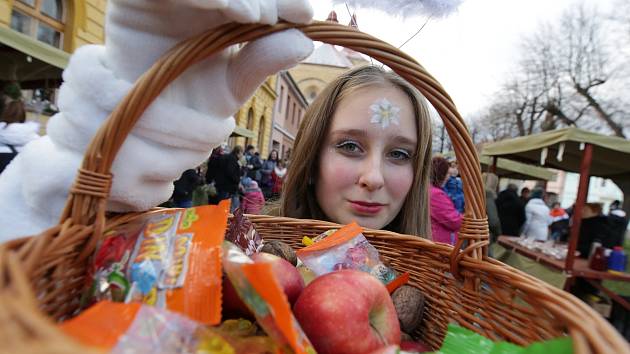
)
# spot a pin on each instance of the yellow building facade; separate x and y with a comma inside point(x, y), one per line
point(78, 22)
point(256, 115)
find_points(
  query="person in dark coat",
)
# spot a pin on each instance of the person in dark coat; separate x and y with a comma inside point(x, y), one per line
point(254, 163)
point(213, 166)
point(511, 211)
point(184, 187)
point(228, 176)
point(595, 227)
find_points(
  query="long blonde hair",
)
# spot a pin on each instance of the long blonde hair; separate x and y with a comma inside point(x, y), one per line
point(298, 197)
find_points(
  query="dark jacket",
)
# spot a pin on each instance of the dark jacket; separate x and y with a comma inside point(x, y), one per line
point(256, 162)
point(228, 174)
point(214, 163)
point(511, 212)
point(618, 222)
point(594, 229)
point(185, 186)
point(494, 223)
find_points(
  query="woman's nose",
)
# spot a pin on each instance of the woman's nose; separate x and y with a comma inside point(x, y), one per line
point(371, 175)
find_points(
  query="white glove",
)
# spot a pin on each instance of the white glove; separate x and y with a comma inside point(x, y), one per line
point(177, 131)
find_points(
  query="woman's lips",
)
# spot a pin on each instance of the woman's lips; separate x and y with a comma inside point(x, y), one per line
point(366, 207)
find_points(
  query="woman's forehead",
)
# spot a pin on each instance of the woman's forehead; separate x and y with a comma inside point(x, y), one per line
point(376, 110)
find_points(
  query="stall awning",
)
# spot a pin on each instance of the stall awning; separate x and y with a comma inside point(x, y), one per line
point(36, 49)
point(513, 169)
point(33, 64)
point(562, 149)
point(240, 131)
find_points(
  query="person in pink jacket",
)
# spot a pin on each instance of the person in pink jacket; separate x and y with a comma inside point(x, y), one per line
point(253, 200)
point(445, 219)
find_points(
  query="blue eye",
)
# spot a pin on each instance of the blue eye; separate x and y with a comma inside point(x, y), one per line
point(400, 155)
point(349, 147)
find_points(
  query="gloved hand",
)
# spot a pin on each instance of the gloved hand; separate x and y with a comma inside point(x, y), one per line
point(177, 131)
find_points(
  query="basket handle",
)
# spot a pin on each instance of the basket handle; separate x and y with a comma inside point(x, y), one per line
point(87, 199)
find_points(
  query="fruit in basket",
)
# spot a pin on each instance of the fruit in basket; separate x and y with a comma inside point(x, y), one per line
point(409, 304)
point(280, 249)
point(287, 275)
point(347, 311)
point(414, 347)
point(233, 306)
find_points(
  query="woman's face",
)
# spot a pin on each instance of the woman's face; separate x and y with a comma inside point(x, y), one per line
point(365, 164)
point(274, 155)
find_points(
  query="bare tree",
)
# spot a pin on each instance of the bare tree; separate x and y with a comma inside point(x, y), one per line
point(567, 75)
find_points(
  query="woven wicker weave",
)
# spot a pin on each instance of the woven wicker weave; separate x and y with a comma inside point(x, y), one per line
point(41, 277)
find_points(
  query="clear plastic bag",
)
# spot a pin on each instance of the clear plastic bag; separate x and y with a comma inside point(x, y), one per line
point(346, 248)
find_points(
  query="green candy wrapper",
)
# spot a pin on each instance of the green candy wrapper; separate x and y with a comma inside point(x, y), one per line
point(460, 340)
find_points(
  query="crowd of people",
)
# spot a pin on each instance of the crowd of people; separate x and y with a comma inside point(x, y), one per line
point(241, 176)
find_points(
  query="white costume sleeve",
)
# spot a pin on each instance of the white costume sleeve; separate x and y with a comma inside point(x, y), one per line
point(177, 131)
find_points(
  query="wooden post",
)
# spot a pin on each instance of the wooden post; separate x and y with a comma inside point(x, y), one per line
point(493, 167)
point(585, 166)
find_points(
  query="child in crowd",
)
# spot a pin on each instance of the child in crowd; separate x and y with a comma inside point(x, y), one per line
point(253, 199)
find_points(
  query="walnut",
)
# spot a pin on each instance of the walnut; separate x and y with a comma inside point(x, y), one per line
point(280, 249)
point(409, 304)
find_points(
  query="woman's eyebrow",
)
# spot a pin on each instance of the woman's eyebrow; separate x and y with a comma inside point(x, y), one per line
point(351, 132)
point(399, 139)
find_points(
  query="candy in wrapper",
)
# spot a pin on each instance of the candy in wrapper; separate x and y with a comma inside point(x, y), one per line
point(261, 292)
point(243, 234)
point(347, 248)
point(170, 258)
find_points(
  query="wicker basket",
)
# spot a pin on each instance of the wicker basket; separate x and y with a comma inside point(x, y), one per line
point(41, 277)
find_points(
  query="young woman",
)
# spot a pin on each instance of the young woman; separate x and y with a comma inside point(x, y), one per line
point(363, 154)
point(266, 182)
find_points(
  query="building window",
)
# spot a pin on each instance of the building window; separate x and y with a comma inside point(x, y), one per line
point(281, 98)
point(293, 113)
point(261, 133)
point(250, 124)
point(286, 112)
point(41, 19)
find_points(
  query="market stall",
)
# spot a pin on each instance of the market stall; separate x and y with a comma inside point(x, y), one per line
point(579, 151)
point(505, 168)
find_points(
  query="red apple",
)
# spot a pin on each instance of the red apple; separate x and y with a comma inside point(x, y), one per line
point(347, 311)
point(233, 306)
point(287, 275)
point(414, 347)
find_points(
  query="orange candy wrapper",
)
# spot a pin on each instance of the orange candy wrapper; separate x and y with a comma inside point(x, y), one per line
point(261, 292)
point(170, 259)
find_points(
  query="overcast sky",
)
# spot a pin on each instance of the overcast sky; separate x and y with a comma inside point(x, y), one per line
point(470, 51)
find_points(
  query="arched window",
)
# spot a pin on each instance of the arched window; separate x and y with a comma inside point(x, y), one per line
point(311, 93)
point(250, 124)
point(261, 133)
point(41, 19)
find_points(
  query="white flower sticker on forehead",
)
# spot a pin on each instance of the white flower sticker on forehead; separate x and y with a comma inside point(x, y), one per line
point(384, 113)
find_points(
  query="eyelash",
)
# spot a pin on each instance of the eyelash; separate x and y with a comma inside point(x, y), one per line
point(406, 155)
point(345, 144)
